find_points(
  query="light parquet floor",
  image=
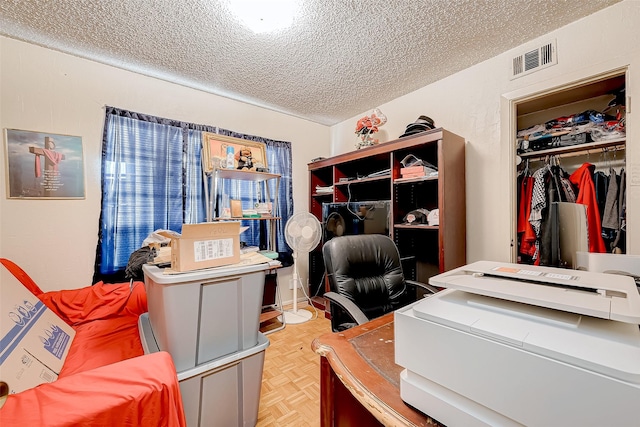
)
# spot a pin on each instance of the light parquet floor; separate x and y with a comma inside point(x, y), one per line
point(290, 393)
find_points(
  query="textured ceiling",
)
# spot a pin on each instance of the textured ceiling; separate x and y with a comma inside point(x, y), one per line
point(340, 58)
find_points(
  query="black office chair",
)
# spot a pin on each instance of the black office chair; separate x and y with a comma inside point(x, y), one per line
point(366, 279)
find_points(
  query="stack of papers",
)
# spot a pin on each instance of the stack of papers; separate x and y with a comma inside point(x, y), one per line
point(320, 189)
point(248, 249)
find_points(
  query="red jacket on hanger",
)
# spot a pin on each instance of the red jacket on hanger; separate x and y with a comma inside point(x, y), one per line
point(582, 178)
point(525, 229)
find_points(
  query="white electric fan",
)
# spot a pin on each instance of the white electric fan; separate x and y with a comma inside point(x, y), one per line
point(302, 233)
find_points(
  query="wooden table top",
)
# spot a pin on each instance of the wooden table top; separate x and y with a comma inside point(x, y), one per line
point(363, 358)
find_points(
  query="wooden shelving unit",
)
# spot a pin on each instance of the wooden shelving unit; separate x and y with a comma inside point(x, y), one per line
point(274, 308)
point(425, 250)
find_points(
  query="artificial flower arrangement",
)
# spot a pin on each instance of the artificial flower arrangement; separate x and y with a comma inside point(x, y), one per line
point(367, 126)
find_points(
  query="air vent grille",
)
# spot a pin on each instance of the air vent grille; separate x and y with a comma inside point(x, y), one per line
point(531, 60)
point(518, 66)
point(534, 60)
point(546, 54)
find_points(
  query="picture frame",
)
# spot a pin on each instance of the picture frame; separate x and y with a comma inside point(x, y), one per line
point(42, 165)
point(215, 153)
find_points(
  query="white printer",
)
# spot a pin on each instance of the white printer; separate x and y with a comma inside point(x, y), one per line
point(511, 344)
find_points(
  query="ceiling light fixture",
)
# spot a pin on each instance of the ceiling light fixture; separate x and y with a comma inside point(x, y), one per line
point(262, 16)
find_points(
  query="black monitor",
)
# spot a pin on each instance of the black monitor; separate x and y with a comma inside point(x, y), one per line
point(340, 219)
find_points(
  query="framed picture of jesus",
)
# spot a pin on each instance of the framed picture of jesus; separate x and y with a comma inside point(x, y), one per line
point(43, 165)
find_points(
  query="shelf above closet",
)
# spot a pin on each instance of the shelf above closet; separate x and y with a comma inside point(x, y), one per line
point(575, 150)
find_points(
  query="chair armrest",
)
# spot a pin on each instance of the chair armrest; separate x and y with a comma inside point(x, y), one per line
point(143, 390)
point(426, 287)
point(348, 306)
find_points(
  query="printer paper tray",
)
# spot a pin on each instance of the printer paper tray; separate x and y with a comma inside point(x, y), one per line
point(606, 296)
point(607, 347)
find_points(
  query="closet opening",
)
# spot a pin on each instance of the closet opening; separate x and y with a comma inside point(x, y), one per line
point(570, 173)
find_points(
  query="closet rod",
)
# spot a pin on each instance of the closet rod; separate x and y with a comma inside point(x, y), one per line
point(576, 150)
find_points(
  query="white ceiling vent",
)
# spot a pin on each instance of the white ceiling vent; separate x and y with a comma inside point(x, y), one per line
point(534, 60)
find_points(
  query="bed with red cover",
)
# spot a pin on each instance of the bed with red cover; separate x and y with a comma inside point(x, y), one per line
point(106, 379)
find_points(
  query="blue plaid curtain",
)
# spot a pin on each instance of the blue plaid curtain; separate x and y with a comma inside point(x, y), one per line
point(152, 179)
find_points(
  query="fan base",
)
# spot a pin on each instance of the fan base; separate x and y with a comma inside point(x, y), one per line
point(294, 317)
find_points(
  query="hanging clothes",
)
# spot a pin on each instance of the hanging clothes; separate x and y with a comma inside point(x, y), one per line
point(538, 207)
point(601, 183)
point(610, 214)
point(548, 247)
point(619, 244)
point(582, 179)
point(565, 188)
point(558, 189)
point(527, 246)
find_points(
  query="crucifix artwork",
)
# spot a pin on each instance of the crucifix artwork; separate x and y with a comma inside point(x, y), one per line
point(44, 165)
point(51, 160)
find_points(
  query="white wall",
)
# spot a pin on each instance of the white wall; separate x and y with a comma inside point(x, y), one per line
point(43, 90)
point(472, 104)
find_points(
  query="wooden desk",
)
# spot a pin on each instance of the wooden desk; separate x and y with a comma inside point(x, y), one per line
point(359, 380)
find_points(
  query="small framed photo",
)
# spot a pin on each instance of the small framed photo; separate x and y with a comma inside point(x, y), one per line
point(44, 165)
point(225, 152)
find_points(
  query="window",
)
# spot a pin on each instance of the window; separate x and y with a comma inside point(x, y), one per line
point(152, 179)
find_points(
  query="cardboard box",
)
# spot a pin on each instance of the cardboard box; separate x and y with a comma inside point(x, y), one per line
point(206, 245)
point(34, 341)
point(236, 209)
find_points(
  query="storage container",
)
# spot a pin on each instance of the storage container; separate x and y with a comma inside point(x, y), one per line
point(203, 315)
point(223, 392)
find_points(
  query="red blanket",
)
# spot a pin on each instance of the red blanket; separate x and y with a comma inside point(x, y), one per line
point(106, 379)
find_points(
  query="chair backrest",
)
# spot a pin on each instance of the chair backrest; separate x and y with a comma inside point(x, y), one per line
point(366, 269)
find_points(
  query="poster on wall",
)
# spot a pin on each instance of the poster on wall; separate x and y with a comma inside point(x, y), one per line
point(44, 165)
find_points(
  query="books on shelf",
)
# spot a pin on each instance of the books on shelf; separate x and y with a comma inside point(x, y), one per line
point(413, 170)
point(413, 175)
point(417, 172)
point(324, 190)
point(248, 249)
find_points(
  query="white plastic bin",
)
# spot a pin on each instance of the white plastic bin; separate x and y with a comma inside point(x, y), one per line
point(203, 315)
point(608, 262)
point(223, 392)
